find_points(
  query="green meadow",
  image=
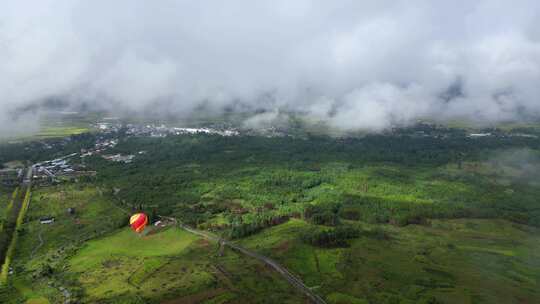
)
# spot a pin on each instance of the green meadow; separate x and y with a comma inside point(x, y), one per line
point(54, 126)
point(92, 254)
point(453, 261)
point(169, 265)
point(51, 132)
point(121, 262)
point(42, 249)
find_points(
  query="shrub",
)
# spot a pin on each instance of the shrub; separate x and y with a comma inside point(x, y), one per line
point(377, 233)
point(240, 230)
point(336, 237)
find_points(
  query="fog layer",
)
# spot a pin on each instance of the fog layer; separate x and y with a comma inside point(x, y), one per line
point(354, 64)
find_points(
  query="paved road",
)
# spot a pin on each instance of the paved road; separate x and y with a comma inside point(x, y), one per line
point(28, 177)
point(292, 279)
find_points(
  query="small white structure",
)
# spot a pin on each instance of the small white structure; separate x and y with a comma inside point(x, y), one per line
point(479, 134)
point(46, 220)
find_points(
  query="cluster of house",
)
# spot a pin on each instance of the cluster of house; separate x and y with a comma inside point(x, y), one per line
point(478, 135)
point(162, 130)
point(55, 166)
point(100, 146)
point(107, 127)
point(179, 131)
point(50, 170)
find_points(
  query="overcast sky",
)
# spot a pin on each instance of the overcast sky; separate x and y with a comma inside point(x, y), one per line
point(355, 64)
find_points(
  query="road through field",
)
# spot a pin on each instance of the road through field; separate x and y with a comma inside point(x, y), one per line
point(292, 279)
point(21, 204)
point(285, 273)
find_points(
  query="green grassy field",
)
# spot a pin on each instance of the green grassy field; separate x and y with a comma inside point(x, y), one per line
point(88, 255)
point(23, 202)
point(50, 132)
point(120, 263)
point(456, 261)
point(42, 249)
point(55, 126)
point(92, 216)
point(5, 197)
point(171, 266)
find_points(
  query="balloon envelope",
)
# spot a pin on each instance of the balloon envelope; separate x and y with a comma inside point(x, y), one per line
point(138, 222)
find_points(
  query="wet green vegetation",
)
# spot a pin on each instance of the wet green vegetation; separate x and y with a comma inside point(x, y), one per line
point(40, 256)
point(95, 258)
point(448, 261)
point(377, 179)
point(432, 217)
point(53, 127)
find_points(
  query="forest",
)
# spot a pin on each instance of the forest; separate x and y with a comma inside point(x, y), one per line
point(246, 183)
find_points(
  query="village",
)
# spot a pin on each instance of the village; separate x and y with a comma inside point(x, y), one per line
point(160, 130)
point(53, 171)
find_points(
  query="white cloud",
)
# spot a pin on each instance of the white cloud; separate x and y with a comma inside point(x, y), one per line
point(374, 63)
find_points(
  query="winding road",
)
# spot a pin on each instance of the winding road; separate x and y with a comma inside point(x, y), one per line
point(292, 279)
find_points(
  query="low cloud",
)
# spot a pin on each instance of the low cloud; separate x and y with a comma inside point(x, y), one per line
point(352, 64)
point(18, 125)
point(522, 165)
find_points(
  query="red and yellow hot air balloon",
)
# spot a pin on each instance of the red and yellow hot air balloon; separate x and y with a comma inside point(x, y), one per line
point(138, 221)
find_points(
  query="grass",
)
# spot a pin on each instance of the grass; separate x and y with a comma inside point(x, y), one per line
point(98, 262)
point(95, 256)
point(28, 293)
point(120, 262)
point(54, 128)
point(126, 243)
point(456, 261)
point(341, 298)
point(93, 217)
point(13, 243)
point(171, 264)
point(52, 132)
point(6, 201)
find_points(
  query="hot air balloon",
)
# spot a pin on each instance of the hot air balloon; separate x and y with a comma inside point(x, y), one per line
point(138, 222)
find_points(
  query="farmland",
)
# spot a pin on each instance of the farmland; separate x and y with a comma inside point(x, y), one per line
point(51, 127)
